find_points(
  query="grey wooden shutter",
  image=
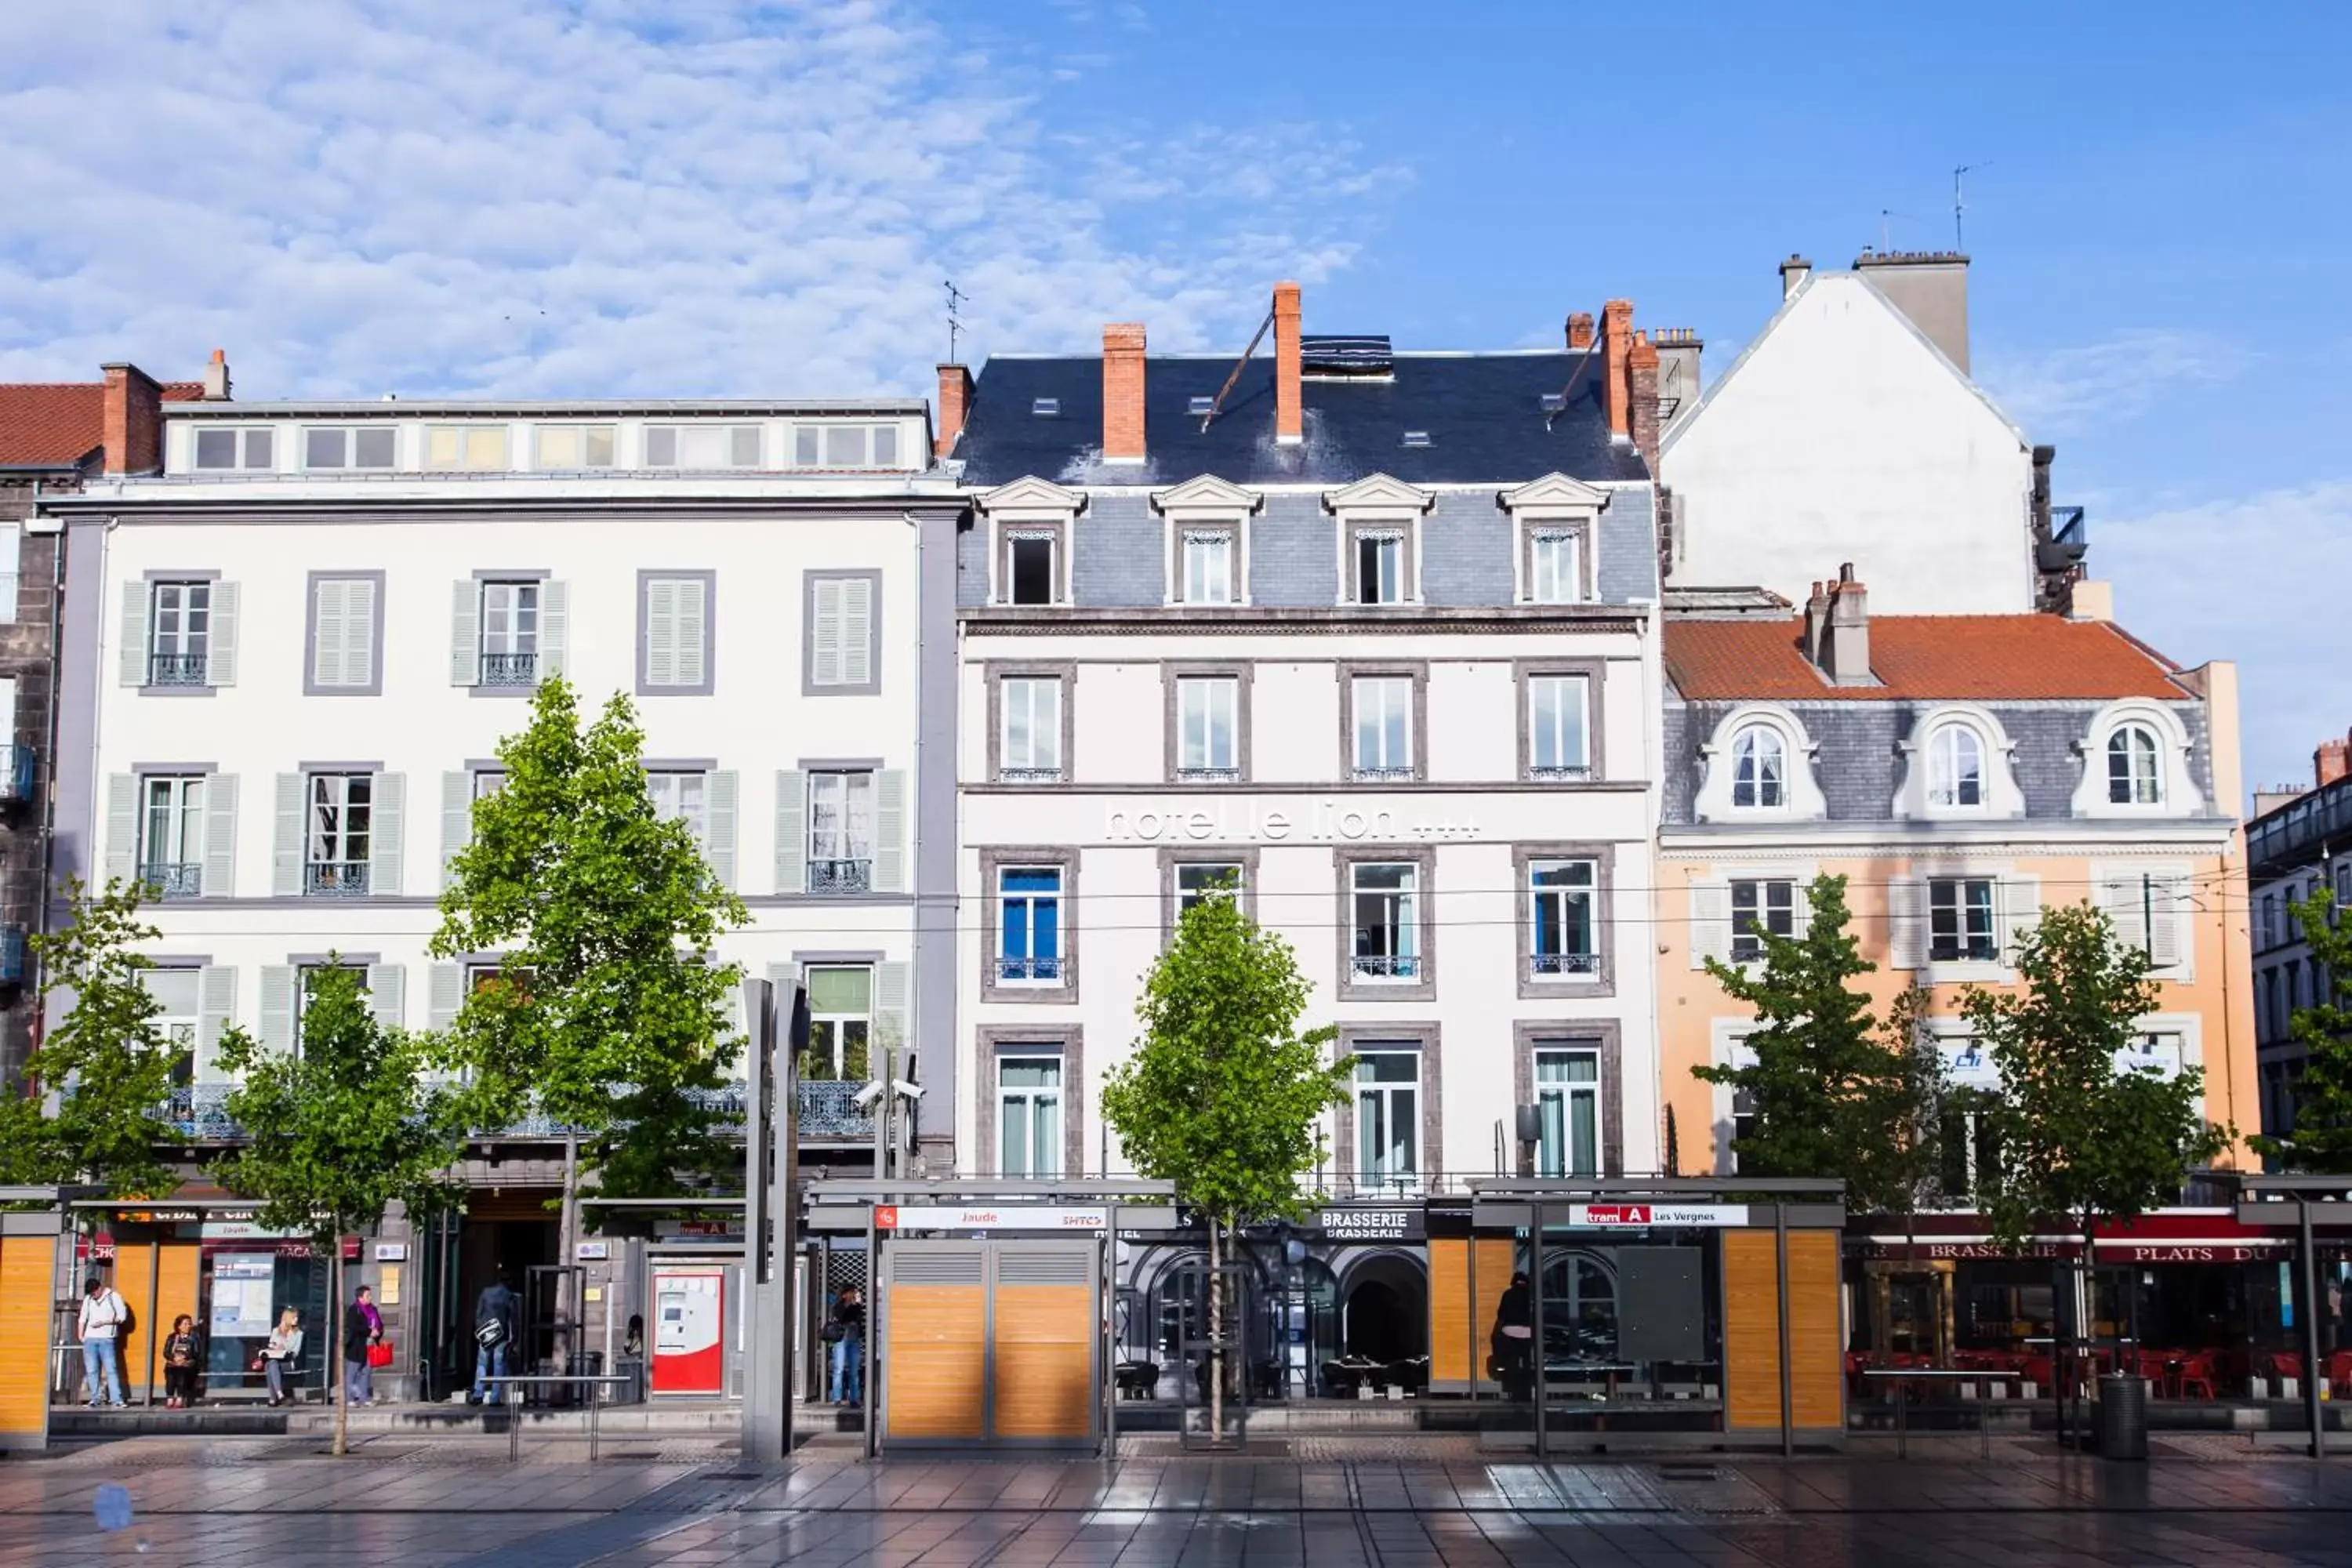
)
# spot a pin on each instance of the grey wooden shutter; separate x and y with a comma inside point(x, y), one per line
point(277, 1006)
point(220, 651)
point(890, 1016)
point(444, 995)
point(857, 631)
point(693, 630)
point(122, 827)
point(134, 666)
point(1710, 913)
point(215, 1001)
point(824, 633)
point(388, 986)
point(456, 818)
point(288, 849)
point(2019, 906)
point(890, 831)
point(387, 804)
point(465, 633)
point(220, 836)
point(554, 626)
point(2119, 896)
point(791, 831)
point(719, 825)
point(1906, 924)
point(661, 631)
point(2167, 900)
point(328, 619)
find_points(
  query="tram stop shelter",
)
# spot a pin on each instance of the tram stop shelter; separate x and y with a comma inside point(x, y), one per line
point(1699, 1311)
point(989, 1321)
point(31, 1221)
point(2319, 1208)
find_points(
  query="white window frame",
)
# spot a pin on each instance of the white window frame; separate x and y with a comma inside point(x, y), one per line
point(1957, 763)
point(727, 437)
point(1378, 1112)
point(328, 858)
point(2142, 754)
point(477, 447)
point(584, 435)
point(1565, 896)
point(668, 790)
point(1031, 765)
point(1379, 505)
point(183, 1029)
point(838, 1046)
point(2176, 793)
point(1554, 1100)
point(1962, 910)
point(1205, 874)
point(1554, 581)
point(1402, 965)
point(848, 792)
point(510, 617)
point(828, 445)
point(242, 441)
point(175, 867)
point(1210, 566)
point(1032, 1097)
point(1012, 539)
point(1745, 947)
point(190, 645)
point(1039, 971)
point(1384, 764)
point(1556, 734)
point(347, 437)
point(1801, 792)
point(1208, 728)
point(1763, 778)
point(1929, 789)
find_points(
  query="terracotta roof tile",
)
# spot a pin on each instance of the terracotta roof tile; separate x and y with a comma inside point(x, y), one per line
point(1981, 659)
point(62, 423)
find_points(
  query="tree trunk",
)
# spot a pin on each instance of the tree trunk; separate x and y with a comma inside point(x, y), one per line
point(1216, 1341)
point(334, 1338)
point(567, 1233)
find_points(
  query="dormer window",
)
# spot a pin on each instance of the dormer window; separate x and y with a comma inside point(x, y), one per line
point(1030, 524)
point(1207, 541)
point(1554, 522)
point(1380, 566)
point(253, 449)
point(2134, 767)
point(1029, 566)
point(1759, 769)
point(1208, 566)
point(1380, 539)
point(1956, 766)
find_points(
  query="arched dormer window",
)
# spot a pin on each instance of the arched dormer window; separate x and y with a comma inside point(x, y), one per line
point(1757, 765)
point(2134, 767)
point(1956, 768)
point(1759, 769)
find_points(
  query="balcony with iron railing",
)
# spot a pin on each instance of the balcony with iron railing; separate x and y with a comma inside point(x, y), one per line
point(509, 669)
point(1208, 776)
point(855, 876)
point(1566, 963)
point(1036, 971)
point(335, 880)
point(1562, 772)
point(1380, 775)
point(1028, 776)
point(1385, 966)
point(177, 668)
point(828, 1113)
point(173, 878)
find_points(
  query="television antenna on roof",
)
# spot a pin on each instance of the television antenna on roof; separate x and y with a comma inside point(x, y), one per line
point(956, 297)
point(1957, 206)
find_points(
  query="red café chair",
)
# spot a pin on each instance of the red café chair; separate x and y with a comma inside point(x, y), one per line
point(2156, 1366)
point(2339, 1372)
point(2196, 1377)
point(2041, 1372)
point(2286, 1364)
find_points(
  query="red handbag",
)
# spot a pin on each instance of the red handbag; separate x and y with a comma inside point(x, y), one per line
point(380, 1354)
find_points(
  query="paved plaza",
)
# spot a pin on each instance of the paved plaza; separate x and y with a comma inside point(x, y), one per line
point(447, 1502)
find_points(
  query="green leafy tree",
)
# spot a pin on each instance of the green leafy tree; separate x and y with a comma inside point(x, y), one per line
point(2080, 1133)
point(1834, 1091)
point(1223, 1092)
point(2321, 1138)
point(337, 1131)
point(613, 1019)
point(107, 1060)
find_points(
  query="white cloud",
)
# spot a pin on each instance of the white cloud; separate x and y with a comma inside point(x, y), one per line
point(2258, 579)
point(2063, 391)
point(603, 197)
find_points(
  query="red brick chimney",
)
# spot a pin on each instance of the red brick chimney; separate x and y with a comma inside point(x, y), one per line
point(1123, 392)
point(1616, 348)
point(1642, 375)
point(1579, 330)
point(133, 430)
point(955, 404)
point(1289, 413)
point(2330, 762)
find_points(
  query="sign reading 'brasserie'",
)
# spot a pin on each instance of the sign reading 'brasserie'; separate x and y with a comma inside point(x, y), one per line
point(1370, 1223)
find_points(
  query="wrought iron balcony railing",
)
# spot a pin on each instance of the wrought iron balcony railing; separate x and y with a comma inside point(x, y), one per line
point(177, 668)
point(1208, 775)
point(174, 878)
point(1008, 968)
point(335, 880)
point(1380, 775)
point(1567, 964)
point(841, 876)
point(509, 669)
point(1029, 775)
point(1385, 965)
point(1560, 773)
point(828, 1113)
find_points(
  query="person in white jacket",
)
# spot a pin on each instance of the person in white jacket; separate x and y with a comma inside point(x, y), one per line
point(103, 1314)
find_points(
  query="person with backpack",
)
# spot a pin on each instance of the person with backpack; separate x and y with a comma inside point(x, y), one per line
point(845, 1331)
point(495, 1316)
point(103, 1314)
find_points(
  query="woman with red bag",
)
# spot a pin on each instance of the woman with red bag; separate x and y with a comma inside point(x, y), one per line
point(363, 1346)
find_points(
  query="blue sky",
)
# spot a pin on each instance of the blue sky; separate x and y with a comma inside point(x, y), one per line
point(603, 197)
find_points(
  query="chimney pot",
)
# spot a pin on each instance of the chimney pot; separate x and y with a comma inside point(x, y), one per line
point(1616, 369)
point(2330, 762)
point(1122, 371)
point(955, 408)
point(1641, 398)
point(1794, 273)
point(1289, 411)
point(216, 377)
point(1837, 629)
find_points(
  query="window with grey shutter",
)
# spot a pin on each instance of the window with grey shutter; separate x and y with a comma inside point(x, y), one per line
point(387, 988)
point(220, 837)
point(387, 795)
point(791, 831)
point(464, 632)
point(122, 827)
point(289, 840)
point(220, 662)
point(277, 1006)
point(842, 614)
point(890, 831)
point(554, 626)
point(456, 818)
point(719, 825)
point(673, 620)
point(345, 635)
point(216, 1005)
point(890, 1016)
point(132, 655)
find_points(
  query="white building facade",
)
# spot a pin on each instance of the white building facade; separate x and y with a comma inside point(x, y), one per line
point(1396, 687)
point(291, 657)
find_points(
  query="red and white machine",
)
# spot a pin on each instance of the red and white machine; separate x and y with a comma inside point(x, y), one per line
point(690, 1330)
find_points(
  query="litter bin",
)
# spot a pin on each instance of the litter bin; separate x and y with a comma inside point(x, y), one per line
point(581, 1363)
point(2123, 1416)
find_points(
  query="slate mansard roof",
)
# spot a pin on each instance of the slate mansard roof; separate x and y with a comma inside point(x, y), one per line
point(1483, 414)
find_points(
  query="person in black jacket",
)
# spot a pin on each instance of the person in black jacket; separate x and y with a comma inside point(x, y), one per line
point(495, 1329)
point(1513, 1340)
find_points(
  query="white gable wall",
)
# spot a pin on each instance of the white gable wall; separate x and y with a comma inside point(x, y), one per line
point(1842, 435)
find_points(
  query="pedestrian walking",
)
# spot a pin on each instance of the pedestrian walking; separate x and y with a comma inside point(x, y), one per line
point(846, 1329)
point(103, 1314)
point(363, 1330)
point(181, 1354)
point(495, 1315)
point(282, 1354)
point(1514, 1341)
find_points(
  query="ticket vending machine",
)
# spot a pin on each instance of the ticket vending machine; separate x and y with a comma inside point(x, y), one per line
point(690, 1330)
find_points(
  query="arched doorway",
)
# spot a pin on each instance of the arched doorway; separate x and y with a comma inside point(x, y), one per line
point(1384, 1310)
